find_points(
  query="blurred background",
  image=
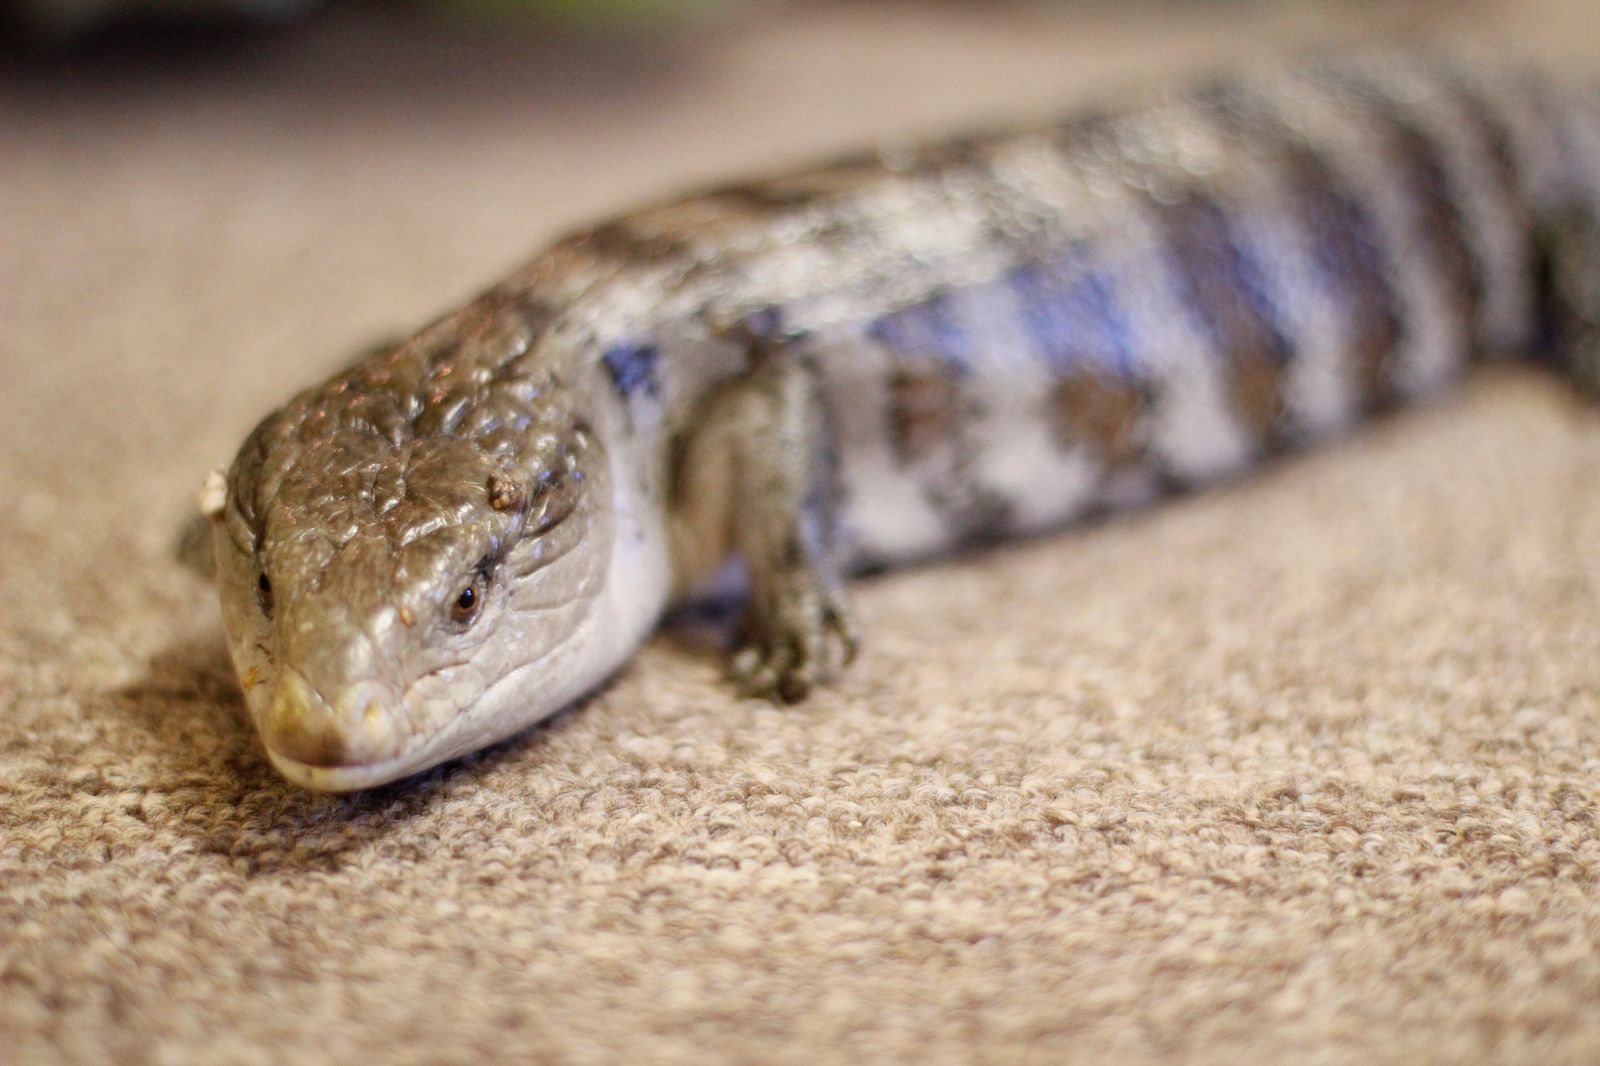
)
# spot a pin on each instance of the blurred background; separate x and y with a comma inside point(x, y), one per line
point(208, 203)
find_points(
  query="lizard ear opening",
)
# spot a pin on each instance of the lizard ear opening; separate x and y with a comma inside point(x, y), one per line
point(555, 497)
point(543, 496)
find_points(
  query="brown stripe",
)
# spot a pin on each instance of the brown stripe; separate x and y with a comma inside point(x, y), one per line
point(1511, 186)
point(1102, 411)
point(1087, 134)
point(773, 197)
point(1216, 280)
point(924, 408)
point(1348, 259)
point(621, 242)
point(1215, 277)
point(1439, 221)
point(971, 150)
point(926, 414)
point(1495, 138)
point(832, 181)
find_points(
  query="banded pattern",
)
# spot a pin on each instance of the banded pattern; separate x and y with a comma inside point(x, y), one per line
point(1016, 328)
point(901, 354)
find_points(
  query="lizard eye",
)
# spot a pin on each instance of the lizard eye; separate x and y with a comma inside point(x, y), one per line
point(264, 593)
point(468, 602)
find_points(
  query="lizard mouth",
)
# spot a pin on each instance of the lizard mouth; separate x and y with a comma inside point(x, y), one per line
point(363, 735)
point(345, 778)
point(325, 749)
point(371, 731)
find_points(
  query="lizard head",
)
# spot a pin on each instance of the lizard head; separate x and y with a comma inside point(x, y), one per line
point(409, 574)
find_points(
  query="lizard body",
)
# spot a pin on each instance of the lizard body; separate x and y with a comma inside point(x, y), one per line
point(874, 362)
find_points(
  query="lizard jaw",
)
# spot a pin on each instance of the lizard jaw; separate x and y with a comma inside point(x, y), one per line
point(510, 704)
point(348, 778)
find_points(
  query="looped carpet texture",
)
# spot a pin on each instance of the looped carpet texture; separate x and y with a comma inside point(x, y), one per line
point(1301, 770)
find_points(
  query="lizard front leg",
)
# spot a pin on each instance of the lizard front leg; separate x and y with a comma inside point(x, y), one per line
point(754, 477)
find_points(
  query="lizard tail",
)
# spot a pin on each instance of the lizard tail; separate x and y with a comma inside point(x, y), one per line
point(1570, 294)
point(1567, 244)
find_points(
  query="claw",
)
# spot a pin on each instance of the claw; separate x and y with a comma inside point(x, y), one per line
point(788, 647)
point(845, 629)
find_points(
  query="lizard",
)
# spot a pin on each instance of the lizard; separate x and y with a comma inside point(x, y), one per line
point(774, 385)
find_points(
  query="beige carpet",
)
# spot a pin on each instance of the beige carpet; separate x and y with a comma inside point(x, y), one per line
point(1304, 770)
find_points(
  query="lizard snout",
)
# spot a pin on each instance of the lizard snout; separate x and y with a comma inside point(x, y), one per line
point(354, 728)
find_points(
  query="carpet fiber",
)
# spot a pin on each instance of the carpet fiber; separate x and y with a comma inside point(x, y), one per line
point(1304, 769)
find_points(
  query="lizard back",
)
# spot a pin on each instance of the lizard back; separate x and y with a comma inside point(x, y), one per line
point(903, 353)
point(1015, 328)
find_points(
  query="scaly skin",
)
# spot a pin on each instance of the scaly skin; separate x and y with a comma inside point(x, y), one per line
point(873, 362)
point(358, 517)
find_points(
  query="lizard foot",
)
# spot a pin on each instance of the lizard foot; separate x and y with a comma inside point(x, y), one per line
point(802, 632)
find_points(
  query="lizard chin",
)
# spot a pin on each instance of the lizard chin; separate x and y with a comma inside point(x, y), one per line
point(361, 739)
point(347, 778)
point(367, 735)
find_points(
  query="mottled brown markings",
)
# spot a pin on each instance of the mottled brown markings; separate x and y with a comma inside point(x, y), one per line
point(924, 412)
point(825, 190)
point(1017, 220)
point(1092, 144)
point(1102, 411)
point(959, 168)
point(708, 238)
point(533, 312)
point(623, 242)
